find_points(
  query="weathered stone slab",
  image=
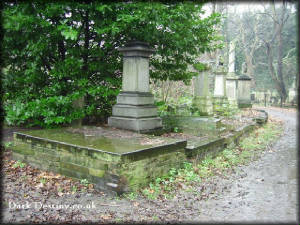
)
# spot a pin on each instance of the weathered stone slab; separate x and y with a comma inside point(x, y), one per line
point(202, 99)
point(244, 97)
point(135, 98)
point(108, 170)
point(219, 90)
point(142, 125)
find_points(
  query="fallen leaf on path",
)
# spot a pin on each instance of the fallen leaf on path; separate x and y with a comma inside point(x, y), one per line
point(106, 217)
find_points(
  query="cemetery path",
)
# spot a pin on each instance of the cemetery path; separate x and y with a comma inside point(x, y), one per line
point(263, 191)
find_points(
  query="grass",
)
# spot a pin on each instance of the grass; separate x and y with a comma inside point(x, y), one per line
point(131, 196)
point(73, 189)
point(247, 150)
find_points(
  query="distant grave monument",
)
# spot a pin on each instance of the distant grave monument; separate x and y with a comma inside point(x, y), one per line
point(202, 99)
point(231, 79)
point(220, 99)
point(244, 83)
point(135, 109)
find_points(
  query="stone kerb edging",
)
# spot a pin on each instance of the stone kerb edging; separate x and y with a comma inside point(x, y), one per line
point(212, 148)
point(262, 119)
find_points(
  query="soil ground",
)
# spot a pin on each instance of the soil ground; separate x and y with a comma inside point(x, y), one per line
point(263, 191)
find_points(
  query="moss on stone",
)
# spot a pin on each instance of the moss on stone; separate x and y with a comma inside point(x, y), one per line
point(74, 167)
point(24, 149)
point(96, 173)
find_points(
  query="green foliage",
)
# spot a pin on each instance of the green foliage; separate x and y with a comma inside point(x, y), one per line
point(201, 66)
point(73, 189)
point(44, 112)
point(43, 180)
point(8, 144)
point(18, 164)
point(84, 182)
point(131, 195)
point(226, 110)
point(183, 106)
point(59, 52)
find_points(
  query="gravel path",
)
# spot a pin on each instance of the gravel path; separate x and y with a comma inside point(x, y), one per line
point(267, 191)
point(263, 191)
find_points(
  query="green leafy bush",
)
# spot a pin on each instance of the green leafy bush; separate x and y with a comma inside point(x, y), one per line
point(58, 52)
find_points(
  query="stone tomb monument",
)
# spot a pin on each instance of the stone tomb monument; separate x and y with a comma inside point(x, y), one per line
point(135, 109)
point(202, 99)
point(220, 99)
point(231, 80)
point(244, 83)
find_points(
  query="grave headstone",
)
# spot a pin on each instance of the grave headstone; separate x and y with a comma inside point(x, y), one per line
point(231, 79)
point(220, 99)
point(244, 84)
point(202, 99)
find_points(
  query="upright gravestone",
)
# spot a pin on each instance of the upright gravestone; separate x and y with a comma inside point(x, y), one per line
point(244, 83)
point(220, 99)
point(202, 99)
point(135, 109)
point(231, 79)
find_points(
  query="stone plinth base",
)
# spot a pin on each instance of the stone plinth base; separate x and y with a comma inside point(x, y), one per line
point(219, 103)
point(204, 105)
point(135, 111)
point(244, 103)
point(135, 98)
point(233, 103)
point(132, 111)
point(141, 125)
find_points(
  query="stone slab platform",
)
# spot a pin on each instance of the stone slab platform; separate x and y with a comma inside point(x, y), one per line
point(131, 163)
point(124, 163)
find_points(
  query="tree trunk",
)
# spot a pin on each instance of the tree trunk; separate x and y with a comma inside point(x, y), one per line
point(283, 93)
point(271, 67)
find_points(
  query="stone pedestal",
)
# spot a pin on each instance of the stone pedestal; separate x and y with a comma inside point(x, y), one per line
point(202, 99)
point(204, 105)
point(244, 98)
point(220, 103)
point(231, 90)
point(135, 109)
point(220, 88)
point(231, 78)
point(220, 99)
